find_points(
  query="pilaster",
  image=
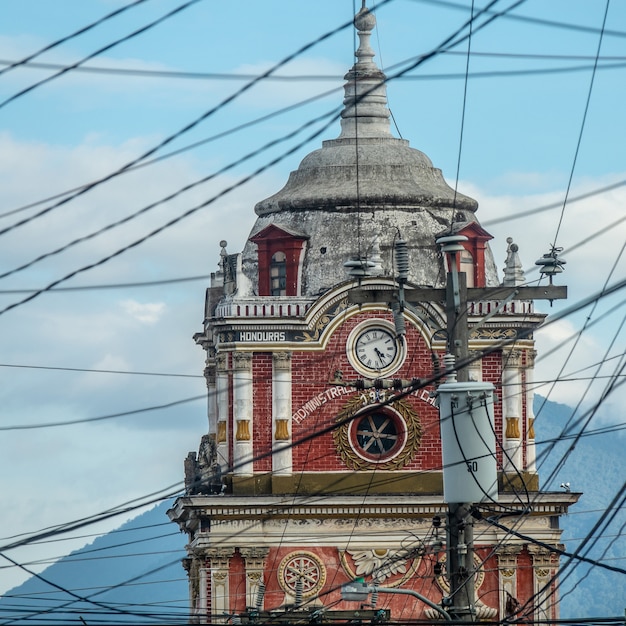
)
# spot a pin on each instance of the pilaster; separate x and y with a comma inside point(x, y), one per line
point(219, 559)
point(512, 409)
point(242, 414)
point(281, 413)
point(210, 377)
point(254, 559)
point(545, 564)
point(221, 400)
point(507, 575)
point(531, 451)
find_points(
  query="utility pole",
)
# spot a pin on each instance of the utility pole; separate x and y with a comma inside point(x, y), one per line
point(460, 528)
point(461, 603)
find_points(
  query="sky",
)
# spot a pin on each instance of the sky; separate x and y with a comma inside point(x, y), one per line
point(533, 126)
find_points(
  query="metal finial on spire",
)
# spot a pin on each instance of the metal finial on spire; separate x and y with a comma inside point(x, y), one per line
point(365, 97)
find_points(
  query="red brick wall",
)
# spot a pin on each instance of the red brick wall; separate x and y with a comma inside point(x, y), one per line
point(311, 372)
point(262, 429)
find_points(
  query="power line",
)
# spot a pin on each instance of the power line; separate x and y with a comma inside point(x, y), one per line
point(101, 418)
point(226, 101)
point(608, 63)
point(27, 59)
point(109, 46)
point(533, 20)
point(582, 123)
point(448, 43)
point(147, 283)
point(99, 371)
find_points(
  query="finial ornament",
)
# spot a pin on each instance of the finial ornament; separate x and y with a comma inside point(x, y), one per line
point(513, 272)
point(365, 100)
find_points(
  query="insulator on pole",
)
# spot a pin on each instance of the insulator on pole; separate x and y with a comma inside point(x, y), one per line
point(299, 588)
point(374, 599)
point(398, 319)
point(260, 594)
point(402, 260)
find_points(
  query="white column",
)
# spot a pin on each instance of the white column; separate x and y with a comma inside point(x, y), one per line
point(475, 369)
point(220, 588)
point(221, 413)
point(255, 567)
point(202, 606)
point(282, 460)
point(512, 409)
point(546, 599)
point(209, 375)
point(242, 414)
point(531, 451)
point(507, 573)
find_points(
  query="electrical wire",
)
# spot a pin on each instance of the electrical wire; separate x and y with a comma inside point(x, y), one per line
point(582, 124)
point(189, 126)
point(109, 46)
point(10, 65)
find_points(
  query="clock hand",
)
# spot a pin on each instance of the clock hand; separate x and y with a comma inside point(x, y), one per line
point(381, 356)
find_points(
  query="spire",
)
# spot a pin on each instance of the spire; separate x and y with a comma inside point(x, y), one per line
point(365, 97)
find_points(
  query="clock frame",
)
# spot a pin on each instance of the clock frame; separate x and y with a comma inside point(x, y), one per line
point(373, 349)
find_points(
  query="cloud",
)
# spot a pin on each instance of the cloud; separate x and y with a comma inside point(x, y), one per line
point(148, 313)
point(592, 232)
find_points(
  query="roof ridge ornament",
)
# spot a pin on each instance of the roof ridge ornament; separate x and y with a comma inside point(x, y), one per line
point(513, 271)
point(365, 101)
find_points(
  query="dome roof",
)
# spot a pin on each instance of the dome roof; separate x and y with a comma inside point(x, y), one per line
point(363, 189)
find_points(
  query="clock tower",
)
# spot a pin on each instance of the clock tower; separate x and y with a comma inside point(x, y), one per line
point(323, 459)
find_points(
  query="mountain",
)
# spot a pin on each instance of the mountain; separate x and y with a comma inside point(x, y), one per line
point(596, 467)
point(137, 567)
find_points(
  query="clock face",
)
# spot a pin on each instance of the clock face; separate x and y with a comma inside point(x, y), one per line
point(374, 350)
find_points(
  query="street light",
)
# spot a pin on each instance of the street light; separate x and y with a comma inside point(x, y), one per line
point(357, 591)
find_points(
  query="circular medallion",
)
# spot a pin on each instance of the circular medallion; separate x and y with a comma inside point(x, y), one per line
point(374, 350)
point(305, 567)
point(378, 435)
point(371, 436)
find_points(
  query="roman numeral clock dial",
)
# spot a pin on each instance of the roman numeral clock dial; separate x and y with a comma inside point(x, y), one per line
point(374, 350)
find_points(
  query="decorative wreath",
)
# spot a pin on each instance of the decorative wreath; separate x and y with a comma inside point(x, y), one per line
point(399, 411)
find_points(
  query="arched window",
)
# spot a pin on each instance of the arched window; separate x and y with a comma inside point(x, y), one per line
point(278, 274)
point(281, 251)
point(467, 266)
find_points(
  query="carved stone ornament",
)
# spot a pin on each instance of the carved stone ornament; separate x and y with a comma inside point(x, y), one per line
point(507, 560)
point(399, 421)
point(242, 361)
point(282, 430)
point(512, 428)
point(493, 334)
point(335, 308)
point(380, 565)
point(221, 431)
point(306, 567)
point(221, 361)
point(243, 430)
point(512, 358)
point(203, 474)
point(281, 360)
